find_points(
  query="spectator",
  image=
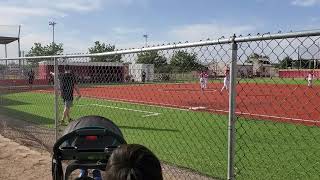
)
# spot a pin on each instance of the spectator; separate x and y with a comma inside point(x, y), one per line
point(50, 79)
point(31, 77)
point(68, 84)
point(133, 162)
point(144, 76)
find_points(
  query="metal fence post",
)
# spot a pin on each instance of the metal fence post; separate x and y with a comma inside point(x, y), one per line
point(232, 108)
point(56, 96)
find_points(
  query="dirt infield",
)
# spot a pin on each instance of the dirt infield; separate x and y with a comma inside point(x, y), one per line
point(285, 103)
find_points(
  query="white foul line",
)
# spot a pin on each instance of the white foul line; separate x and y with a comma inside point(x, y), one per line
point(148, 113)
point(270, 116)
point(145, 103)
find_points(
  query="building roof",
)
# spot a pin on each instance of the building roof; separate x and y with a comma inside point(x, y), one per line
point(244, 64)
point(7, 40)
point(82, 63)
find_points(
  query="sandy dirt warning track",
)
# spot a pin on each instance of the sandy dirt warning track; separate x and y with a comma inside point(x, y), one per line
point(20, 162)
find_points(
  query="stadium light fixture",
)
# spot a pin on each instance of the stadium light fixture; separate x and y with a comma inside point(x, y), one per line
point(146, 37)
point(52, 23)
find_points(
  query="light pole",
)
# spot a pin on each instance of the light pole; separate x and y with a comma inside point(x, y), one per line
point(146, 37)
point(52, 23)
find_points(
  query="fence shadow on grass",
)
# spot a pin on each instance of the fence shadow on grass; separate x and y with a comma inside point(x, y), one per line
point(24, 116)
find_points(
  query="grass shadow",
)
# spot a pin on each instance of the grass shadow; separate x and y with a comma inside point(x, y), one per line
point(10, 102)
point(20, 115)
point(148, 129)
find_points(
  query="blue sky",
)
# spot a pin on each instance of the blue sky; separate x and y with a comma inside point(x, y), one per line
point(123, 22)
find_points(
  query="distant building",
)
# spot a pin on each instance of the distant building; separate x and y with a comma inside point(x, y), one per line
point(255, 66)
point(136, 71)
point(245, 70)
point(261, 66)
point(87, 72)
point(212, 68)
point(100, 72)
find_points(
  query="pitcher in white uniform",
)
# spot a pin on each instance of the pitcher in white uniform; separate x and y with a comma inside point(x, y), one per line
point(226, 80)
point(310, 79)
point(202, 80)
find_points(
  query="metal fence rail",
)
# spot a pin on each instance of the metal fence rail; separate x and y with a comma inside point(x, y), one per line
point(171, 99)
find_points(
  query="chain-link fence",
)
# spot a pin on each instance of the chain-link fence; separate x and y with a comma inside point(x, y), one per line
point(242, 107)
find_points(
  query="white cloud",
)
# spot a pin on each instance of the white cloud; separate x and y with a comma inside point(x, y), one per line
point(79, 5)
point(34, 13)
point(29, 39)
point(31, 14)
point(18, 15)
point(26, 43)
point(305, 3)
point(125, 30)
point(30, 11)
point(19, 11)
point(66, 6)
point(195, 32)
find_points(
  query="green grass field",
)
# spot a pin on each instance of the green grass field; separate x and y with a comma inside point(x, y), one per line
point(263, 80)
point(276, 80)
point(195, 140)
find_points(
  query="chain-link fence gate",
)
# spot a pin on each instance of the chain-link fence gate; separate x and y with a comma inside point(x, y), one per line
point(232, 108)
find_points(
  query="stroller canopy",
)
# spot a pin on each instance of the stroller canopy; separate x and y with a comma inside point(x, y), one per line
point(93, 122)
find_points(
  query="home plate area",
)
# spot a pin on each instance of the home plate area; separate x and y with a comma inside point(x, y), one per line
point(197, 108)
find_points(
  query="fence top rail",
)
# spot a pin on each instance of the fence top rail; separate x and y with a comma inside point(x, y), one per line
point(240, 39)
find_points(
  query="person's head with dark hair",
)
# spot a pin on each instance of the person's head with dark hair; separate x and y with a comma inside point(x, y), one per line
point(133, 162)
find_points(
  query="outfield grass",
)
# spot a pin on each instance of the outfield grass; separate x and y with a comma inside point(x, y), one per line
point(263, 80)
point(196, 140)
point(276, 80)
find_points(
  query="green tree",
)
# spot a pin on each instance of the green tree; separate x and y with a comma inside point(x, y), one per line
point(49, 50)
point(183, 61)
point(100, 48)
point(304, 64)
point(2, 66)
point(153, 57)
point(307, 63)
point(286, 62)
point(52, 49)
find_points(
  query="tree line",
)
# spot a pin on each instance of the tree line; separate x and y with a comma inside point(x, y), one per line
point(289, 63)
point(180, 61)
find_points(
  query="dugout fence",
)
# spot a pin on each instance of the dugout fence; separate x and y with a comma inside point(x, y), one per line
point(264, 126)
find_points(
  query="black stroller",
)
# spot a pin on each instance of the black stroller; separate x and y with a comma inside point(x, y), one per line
point(86, 144)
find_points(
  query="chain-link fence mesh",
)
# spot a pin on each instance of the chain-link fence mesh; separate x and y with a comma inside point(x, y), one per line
point(175, 100)
point(278, 125)
point(24, 118)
